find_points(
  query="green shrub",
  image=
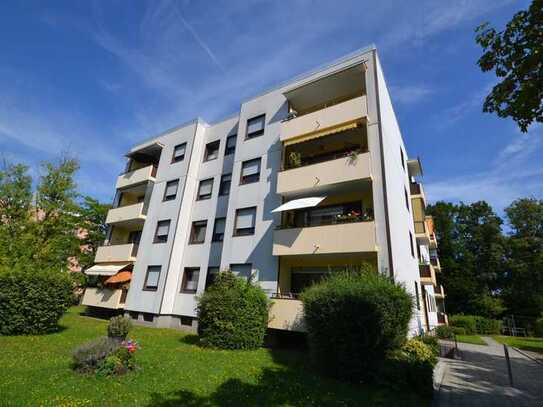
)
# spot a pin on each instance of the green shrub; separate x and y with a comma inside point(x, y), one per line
point(232, 313)
point(32, 302)
point(445, 332)
point(410, 367)
point(119, 327)
point(457, 330)
point(431, 341)
point(353, 319)
point(539, 327)
point(487, 326)
point(468, 322)
point(89, 356)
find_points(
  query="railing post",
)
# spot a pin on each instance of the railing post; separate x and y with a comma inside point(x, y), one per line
point(508, 361)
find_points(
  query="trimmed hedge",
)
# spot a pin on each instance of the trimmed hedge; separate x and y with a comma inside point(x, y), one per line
point(445, 332)
point(32, 302)
point(539, 327)
point(353, 319)
point(232, 313)
point(473, 324)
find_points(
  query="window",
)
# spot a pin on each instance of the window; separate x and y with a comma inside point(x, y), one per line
point(417, 298)
point(226, 180)
point(403, 158)
point(411, 243)
point(242, 270)
point(151, 278)
point(212, 273)
point(162, 230)
point(230, 144)
point(134, 237)
point(218, 230)
point(198, 232)
point(212, 151)
point(171, 190)
point(205, 189)
point(406, 198)
point(255, 126)
point(245, 221)
point(190, 280)
point(179, 152)
point(250, 171)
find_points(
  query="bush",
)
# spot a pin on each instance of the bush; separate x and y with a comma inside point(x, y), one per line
point(119, 327)
point(89, 356)
point(432, 342)
point(539, 327)
point(353, 319)
point(487, 326)
point(232, 313)
point(457, 330)
point(468, 322)
point(410, 367)
point(445, 332)
point(32, 302)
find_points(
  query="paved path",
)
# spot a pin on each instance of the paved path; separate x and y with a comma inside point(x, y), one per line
point(480, 378)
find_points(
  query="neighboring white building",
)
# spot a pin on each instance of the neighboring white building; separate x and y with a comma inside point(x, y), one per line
point(206, 197)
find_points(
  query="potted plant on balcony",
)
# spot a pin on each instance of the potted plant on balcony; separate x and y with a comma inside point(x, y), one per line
point(294, 159)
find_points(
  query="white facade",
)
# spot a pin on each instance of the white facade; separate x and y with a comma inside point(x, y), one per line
point(383, 193)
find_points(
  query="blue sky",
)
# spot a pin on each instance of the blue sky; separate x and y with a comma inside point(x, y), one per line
point(93, 78)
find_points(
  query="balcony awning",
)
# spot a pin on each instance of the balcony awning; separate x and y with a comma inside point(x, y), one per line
point(300, 203)
point(120, 277)
point(321, 133)
point(105, 269)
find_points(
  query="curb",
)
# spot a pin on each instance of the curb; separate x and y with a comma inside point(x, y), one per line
point(528, 355)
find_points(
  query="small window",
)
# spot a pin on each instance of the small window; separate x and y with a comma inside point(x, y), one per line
point(411, 243)
point(242, 270)
point(250, 171)
point(255, 126)
point(179, 152)
point(190, 280)
point(406, 198)
point(402, 158)
point(218, 230)
point(151, 278)
point(198, 232)
point(186, 321)
point(171, 190)
point(226, 180)
point(417, 298)
point(205, 189)
point(162, 230)
point(230, 145)
point(212, 273)
point(245, 221)
point(212, 151)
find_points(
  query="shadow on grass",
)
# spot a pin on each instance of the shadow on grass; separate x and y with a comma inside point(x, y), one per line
point(191, 339)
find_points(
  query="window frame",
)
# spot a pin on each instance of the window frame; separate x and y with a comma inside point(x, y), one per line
point(149, 269)
point(192, 230)
point(213, 236)
point(242, 179)
point(206, 151)
point(411, 243)
point(258, 133)
point(247, 231)
point(221, 189)
point(205, 197)
point(407, 200)
point(177, 159)
point(159, 238)
point(170, 197)
point(184, 280)
point(230, 150)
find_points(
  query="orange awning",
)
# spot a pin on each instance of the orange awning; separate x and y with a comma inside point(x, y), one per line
point(120, 277)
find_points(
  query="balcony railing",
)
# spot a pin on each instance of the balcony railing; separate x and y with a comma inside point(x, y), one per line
point(366, 216)
point(316, 159)
point(137, 176)
point(116, 252)
point(425, 271)
point(420, 227)
point(415, 188)
point(286, 314)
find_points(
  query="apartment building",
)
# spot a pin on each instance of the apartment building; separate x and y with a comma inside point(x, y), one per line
point(307, 178)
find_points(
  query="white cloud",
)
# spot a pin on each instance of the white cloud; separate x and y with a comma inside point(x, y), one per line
point(410, 94)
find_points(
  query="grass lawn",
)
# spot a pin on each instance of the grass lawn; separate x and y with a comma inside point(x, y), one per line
point(473, 339)
point(174, 371)
point(527, 343)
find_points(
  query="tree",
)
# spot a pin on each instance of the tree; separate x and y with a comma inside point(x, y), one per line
point(93, 222)
point(516, 56)
point(523, 287)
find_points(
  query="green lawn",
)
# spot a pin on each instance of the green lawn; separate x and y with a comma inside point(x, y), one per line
point(35, 371)
point(527, 343)
point(473, 339)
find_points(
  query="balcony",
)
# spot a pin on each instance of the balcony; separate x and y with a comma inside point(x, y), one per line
point(427, 274)
point(116, 253)
point(328, 118)
point(129, 215)
point(286, 314)
point(136, 177)
point(354, 237)
point(434, 261)
point(104, 297)
point(442, 318)
point(439, 291)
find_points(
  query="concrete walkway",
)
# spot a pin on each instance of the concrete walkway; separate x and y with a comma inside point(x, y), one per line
point(480, 378)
